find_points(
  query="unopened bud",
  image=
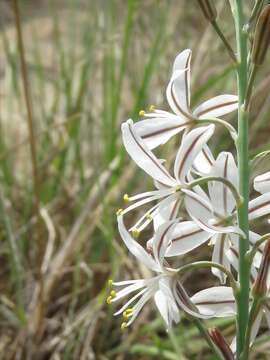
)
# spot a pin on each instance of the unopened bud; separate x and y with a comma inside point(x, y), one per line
point(221, 343)
point(260, 285)
point(208, 9)
point(262, 37)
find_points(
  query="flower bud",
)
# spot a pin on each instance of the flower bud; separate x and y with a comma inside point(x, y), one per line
point(208, 9)
point(260, 284)
point(221, 343)
point(262, 37)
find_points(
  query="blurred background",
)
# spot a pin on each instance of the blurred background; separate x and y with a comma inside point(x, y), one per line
point(91, 64)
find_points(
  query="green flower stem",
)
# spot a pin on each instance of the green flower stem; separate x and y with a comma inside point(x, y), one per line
point(206, 179)
point(224, 123)
point(243, 172)
point(210, 264)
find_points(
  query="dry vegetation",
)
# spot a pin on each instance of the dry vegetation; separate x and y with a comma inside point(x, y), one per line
point(91, 64)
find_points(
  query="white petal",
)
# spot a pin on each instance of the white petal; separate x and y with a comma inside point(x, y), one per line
point(198, 208)
point(143, 157)
point(262, 183)
point(191, 145)
point(259, 206)
point(217, 301)
point(204, 161)
point(162, 305)
point(217, 106)
point(253, 238)
point(219, 256)
point(161, 241)
point(159, 130)
point(167, 210)
point(177, 93)
point(186, 236)
point(221, 196)
point(182, 62)
point(135, 248)
point(184, 302)
point(165, 303)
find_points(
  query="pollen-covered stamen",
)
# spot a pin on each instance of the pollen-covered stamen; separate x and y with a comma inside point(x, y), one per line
point(127, 313)
point(123, 326)
point(119, 212)
point(141, 113)
point(135, 232)
point(126, 198)
point(152, 108)
point(110, 283)
point(113, 294)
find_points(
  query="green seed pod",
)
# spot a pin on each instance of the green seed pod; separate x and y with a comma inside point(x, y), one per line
point(262, 37)
point(208, 9)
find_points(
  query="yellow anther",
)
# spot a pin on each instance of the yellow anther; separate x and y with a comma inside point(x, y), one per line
point(135, 232)
point(119, 212)
point(152, 108)
point(110, 282)
point(109, 300)
point(113, 293)
point(141, 113)
point(149, 216)
point(127, 313)
point(126, 198)
point(123, 326)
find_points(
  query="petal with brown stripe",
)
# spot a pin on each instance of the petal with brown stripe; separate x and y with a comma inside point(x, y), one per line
point(217, 301)
point(221, 197)
point(191, 145)
point(158, 130)
point(144, 157)
point(259, 206)
point(217, 106)
point(186, 236)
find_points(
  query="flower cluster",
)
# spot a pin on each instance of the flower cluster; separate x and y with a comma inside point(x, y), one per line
point(202, 187)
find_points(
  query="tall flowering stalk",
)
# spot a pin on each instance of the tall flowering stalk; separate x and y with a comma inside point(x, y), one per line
point(212, 196)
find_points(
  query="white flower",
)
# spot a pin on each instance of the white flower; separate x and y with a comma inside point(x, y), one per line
point(159, 126)
point(217, 215)
point(168, 186)
point(165, 287)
